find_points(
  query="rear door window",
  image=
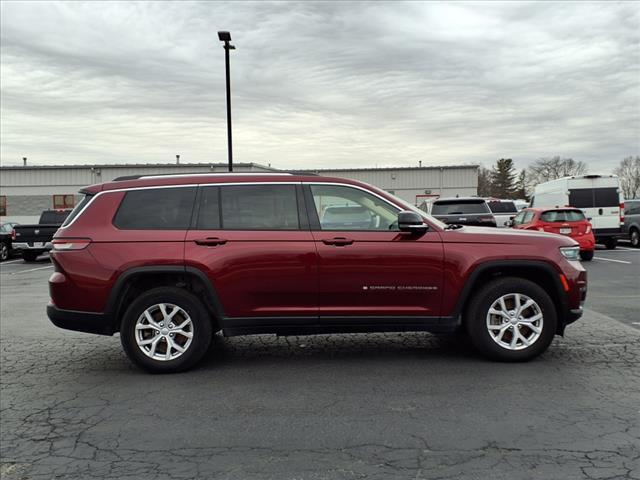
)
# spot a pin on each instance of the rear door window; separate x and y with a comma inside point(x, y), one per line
point(606, 197)
point(459, 207)
point(259, 207)
point(156, 209)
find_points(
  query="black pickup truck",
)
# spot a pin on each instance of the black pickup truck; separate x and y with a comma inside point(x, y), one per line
point(33, 240)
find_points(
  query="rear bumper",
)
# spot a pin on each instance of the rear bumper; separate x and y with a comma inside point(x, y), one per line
point(29, 246)
point(600, 233)
point(88, 322)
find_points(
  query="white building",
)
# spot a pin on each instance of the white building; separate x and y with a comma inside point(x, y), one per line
point(28, 190)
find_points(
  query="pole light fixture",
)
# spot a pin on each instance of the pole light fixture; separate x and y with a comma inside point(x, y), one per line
point(226, 38)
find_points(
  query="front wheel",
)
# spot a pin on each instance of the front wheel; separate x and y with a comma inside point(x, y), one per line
point(166, 330)
point(610, 243)
point(635, 238)
point(586, 255)
point(511, 320)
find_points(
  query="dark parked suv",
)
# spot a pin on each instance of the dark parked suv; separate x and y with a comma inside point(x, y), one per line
point(169, 260)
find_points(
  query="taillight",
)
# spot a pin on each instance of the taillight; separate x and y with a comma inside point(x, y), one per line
point(622, 213)
point(13, 234)
point(541, 229)
point(588, 230)
point(65, 244)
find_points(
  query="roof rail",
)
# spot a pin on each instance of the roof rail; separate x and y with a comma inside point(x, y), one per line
point(199, 174)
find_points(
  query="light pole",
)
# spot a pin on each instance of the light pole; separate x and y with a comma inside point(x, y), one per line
point(226, 38)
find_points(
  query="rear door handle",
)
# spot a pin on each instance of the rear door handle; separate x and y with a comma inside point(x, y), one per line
point(210, 241)
point(337, 241)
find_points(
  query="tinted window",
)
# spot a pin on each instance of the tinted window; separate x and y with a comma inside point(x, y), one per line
point(74, 213)
point(209, 214)
point(581, 197)
point(54, 217)
point(459, 207)
point(156, 209)
point(562, 216)
point(347, 208)
point(606, 197)
point(259, 207)
point(502, 207)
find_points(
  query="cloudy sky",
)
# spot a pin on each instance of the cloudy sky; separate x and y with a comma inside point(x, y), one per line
point(321, 84)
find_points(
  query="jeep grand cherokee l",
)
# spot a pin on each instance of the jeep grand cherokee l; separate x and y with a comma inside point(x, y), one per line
point(169, 260)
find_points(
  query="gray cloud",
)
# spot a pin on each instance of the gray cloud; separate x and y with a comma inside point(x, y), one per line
point(321, 84)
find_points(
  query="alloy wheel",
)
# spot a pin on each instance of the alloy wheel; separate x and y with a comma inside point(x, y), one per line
point(515, 321)
point(164, 332)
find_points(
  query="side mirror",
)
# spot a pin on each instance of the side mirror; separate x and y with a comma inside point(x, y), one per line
point(589, 219)
point(411, 222)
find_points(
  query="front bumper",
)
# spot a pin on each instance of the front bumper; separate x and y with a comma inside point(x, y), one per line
point(88, 322)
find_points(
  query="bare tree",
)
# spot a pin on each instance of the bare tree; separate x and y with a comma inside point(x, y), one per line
point(550, 168)
point(629, 173)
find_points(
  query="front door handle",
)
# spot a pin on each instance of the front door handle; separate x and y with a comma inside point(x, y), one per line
point(210, 241)
point(337, 241)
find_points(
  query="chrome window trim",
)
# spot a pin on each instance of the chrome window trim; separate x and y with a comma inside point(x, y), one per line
point(102, 192)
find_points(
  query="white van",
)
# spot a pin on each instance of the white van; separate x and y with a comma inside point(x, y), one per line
point(598, 196)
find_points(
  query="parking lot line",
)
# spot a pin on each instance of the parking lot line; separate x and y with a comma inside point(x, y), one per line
point(612, 260)
point(31, 270)
point(12, 261)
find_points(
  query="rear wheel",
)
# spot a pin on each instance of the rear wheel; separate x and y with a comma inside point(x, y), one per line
point(4, 252)
point(586, 255)
point(29, 256)
point(511, 319)
point(610, 243)
point(635, 238)
point(166, 330)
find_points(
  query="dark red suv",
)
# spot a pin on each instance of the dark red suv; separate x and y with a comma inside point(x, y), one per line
point(169, 260)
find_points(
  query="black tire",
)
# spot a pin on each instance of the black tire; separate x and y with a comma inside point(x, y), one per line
point(635, 238)
point(29, 256)
point(610, 243)
point(201, 330)
point(4, 252)
point(476, 319)
point(586, 255)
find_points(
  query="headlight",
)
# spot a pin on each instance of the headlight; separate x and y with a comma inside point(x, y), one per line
point(570, 253)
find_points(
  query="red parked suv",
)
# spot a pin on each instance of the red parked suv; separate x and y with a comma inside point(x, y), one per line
point(169, 260)
point(564, 221)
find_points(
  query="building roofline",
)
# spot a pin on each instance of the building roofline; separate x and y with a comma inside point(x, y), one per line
point(132, 165)
point(386, 169)
point(210, 164)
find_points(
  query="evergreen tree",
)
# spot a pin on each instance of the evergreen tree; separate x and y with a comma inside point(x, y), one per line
point(503, 177)
point(521, 186)
point(484, 182)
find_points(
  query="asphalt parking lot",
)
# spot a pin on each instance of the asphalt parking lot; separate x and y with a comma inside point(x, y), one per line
point(386, 406)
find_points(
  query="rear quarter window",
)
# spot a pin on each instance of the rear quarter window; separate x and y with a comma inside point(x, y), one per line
point(156, 209)
point(77, 209)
